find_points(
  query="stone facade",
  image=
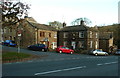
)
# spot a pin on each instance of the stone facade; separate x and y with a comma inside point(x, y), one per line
point(79, 37)
point(105, 40)
point(32, 33)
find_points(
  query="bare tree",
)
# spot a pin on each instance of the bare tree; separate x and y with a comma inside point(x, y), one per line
point(56, 24)
point(78, 20)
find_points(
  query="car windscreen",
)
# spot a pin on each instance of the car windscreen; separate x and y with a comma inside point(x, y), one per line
point(13, 41)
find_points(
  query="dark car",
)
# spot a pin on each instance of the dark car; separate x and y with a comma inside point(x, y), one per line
point(117, 52)
point(62, 49)
point(38, 47)
point(9, 43)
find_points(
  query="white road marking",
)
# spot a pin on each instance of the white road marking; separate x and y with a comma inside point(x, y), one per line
point(99, 64)
point(96, 57)
point(54, 71)
point(107, 63)
point(114, 62)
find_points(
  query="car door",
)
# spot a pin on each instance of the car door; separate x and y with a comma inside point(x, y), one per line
point(40, 46)
point(67, 50)
point(37, 47)
point(64, 49)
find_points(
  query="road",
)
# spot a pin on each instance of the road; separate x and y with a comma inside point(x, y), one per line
point(56, 64)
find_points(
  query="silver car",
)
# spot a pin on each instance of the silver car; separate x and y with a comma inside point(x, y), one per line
point(99, 52)
point(117, 52)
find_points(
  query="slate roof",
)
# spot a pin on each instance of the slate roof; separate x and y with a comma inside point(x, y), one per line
point(30, 19)
point(41, 26)
point(105, 35)
point(78, 28)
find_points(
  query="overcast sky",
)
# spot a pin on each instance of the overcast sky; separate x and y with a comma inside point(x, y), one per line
point(98, 11)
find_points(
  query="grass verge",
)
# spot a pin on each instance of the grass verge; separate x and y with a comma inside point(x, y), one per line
point(8, 57)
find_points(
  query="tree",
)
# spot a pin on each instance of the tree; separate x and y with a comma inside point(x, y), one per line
point(13, 12)
point(78, 20)
point(56, 24)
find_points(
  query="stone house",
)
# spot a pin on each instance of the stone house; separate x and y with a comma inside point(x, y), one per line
point(79, 37)
point(9, 33)
point(32, 33)
point(105, 41)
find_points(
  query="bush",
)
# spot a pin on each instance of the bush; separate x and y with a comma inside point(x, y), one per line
point(81, 51)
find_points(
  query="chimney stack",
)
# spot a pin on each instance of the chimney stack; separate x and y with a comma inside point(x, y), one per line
point(64, 24)
point(82, 22)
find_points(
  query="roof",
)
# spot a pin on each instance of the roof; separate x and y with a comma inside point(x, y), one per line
point(105, 35)
point(77, 28)
point(41, 26)
point(30, 19)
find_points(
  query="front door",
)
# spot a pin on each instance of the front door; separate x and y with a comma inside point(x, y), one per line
point(73, 44)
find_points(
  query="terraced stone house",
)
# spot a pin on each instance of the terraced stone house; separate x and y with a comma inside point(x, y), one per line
point(32, 33)
point(79, 37)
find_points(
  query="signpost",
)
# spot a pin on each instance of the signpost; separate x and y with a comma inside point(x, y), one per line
point(19, 36)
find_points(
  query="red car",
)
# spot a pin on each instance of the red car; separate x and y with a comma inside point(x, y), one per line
point(62, 49)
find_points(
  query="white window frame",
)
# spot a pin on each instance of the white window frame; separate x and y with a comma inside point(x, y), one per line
point(91, 34)
point(91, 44)
point(55, 36)
point(96, 44)
point(81, 34)
point(96, 34)
point(65, 35)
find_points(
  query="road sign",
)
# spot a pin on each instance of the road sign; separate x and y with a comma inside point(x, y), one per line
point(19, 33)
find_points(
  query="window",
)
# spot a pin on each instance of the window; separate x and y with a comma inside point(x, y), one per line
point(4, 30)
point(49, 34)
point(81, 34)
point(81, 44)
point(42, 34)
point(96, 44)
point(10, 30)
point(65, 35)
point(96, 34)
point(55, 36)
point(10, 37)
point(91, 43)
point(90, 34)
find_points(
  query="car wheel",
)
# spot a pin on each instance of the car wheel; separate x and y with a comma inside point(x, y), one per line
point(60, 51)
point(71, 52)
point(43, 49)
point(96, 54)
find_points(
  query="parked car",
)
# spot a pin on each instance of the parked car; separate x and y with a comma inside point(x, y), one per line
point(62, 49)
point(9, 43)
point(38, 47)
point(117, 52)
point(98, 52)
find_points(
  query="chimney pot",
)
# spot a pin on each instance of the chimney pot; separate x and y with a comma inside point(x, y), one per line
point(64, 24)
point(82, 22)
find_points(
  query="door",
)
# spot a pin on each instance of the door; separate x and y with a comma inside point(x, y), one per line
point(73, 44)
